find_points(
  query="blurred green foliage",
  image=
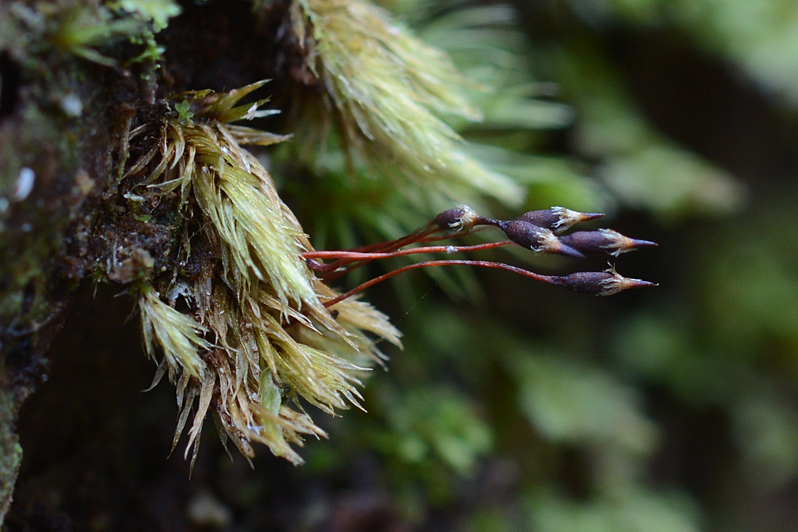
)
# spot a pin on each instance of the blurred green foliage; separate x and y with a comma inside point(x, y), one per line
point(671, 411)
point(529, 409)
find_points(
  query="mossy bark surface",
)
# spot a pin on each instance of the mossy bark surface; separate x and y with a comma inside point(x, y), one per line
point(63, 121)
point(56, 136)
point(64, 124)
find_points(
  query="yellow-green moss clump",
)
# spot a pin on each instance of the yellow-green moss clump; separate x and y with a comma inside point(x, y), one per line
point(385, 92)
point(247, 334)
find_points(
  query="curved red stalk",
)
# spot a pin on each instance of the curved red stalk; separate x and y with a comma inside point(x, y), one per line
point(358, 256)
point(430, 263)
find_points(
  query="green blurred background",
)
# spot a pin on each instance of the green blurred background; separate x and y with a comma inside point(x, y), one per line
point(518, 407)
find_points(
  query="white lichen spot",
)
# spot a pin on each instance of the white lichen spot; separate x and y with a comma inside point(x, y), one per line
point(133, 197)
point(25, 182)
point(72, 106)
point(83, 183)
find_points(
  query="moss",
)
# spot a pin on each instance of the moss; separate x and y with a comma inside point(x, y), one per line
point(117, 170)
point(386, 93)
point(256, 322)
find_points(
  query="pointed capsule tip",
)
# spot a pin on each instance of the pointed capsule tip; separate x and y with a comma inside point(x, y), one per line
point(643, 243)
point(640, 283)
point(568, 251)
point(587, 216)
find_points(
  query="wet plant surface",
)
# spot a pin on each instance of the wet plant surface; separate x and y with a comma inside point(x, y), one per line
point(151, 206)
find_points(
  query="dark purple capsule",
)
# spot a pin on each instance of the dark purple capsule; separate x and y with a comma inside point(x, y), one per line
point(458, 220)
point(603, 241)
point(538, 239)
point(599, 283)
point(558, 219)
point(449, 218)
